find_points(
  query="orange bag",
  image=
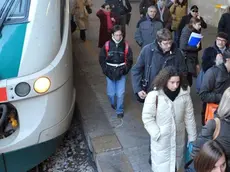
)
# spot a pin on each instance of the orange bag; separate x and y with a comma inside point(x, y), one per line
point(209, 112)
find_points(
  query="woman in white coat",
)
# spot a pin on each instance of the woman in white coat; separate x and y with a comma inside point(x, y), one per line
point(167, 114)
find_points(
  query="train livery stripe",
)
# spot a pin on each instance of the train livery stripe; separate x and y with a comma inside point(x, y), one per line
point(11, 46)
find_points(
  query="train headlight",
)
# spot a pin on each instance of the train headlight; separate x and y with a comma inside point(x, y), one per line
point(22, 89)
point(42, 85)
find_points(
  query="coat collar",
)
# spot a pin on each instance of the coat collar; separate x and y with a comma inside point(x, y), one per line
point(181, 93)
point(155, 47)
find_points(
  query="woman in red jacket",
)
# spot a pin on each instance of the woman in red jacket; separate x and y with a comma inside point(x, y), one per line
point(107, 21)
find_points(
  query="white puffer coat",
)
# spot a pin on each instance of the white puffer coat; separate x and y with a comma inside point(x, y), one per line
point(166, 126)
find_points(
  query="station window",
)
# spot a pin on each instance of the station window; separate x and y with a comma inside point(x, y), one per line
point(14, 11)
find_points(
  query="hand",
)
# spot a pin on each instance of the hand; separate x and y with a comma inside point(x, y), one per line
point(219, 57)
point(113, 20)
point(141, 15)
point(198, 45)
point(197, 69)
point(198, 17)
point(142, 94)
point(190, 146)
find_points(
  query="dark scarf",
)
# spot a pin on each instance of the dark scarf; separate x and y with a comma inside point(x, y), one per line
point(171, 94)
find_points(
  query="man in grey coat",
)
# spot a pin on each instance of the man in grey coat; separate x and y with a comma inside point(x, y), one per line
point(152, 58)
point(147, 27)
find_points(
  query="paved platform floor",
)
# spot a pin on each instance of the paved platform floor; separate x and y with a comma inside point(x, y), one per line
point(118, 145)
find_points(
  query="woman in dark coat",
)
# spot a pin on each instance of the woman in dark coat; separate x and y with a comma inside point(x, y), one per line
point(191, 52)
point(107, 21)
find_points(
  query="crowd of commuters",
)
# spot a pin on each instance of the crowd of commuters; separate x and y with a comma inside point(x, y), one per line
point(162, 77)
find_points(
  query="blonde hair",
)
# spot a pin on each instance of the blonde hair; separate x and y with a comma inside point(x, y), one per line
point(224, 108)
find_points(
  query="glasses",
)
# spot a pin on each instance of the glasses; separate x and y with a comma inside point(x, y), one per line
point(195, 11)
point(169, 43)
point(222, 40)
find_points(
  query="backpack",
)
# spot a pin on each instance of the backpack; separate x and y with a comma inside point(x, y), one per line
point(125, 51)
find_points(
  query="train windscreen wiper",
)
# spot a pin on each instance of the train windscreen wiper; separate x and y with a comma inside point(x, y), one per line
point(4, 12)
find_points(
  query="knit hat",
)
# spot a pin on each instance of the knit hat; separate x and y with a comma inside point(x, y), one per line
point(194, 7)
point(222, 35)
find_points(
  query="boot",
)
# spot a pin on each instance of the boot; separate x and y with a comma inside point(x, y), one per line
point(82, 35)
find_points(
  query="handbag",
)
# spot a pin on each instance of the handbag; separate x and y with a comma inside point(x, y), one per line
point(210, 110)
point(88, 9)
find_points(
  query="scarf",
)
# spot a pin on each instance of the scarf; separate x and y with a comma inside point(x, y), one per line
point(161, 11)
point(124, 4)
point(116, 42)
point(108, 19)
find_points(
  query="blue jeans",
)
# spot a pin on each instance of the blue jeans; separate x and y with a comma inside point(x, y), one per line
point(116, 88)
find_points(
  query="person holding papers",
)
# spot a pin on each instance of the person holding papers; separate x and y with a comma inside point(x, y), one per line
point(194, 12)
point(190, 44)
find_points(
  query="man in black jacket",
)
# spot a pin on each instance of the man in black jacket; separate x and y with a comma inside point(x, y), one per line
point(186, 19)
point(215, 81)
point(152, 58)
point(224, 23)
point(214, 54)
point(116, 59)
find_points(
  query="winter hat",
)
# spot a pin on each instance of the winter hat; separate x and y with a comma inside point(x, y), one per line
point(194, 7)
point(222, 35)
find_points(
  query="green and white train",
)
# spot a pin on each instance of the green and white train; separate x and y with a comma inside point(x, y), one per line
point(37, 96)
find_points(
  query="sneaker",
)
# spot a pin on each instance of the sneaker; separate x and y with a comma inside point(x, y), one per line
point(120, 115)
point(113, 106)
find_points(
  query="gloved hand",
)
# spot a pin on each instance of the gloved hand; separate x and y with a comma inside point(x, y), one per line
point(190, 146)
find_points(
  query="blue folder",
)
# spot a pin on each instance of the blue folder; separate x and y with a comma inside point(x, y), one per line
point(194, 39)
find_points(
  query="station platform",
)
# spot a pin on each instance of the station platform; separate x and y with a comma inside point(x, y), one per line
point(117, 145)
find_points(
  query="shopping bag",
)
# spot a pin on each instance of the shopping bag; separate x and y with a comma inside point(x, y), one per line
point(209, 112)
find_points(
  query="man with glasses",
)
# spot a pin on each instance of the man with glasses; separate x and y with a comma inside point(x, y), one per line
point(152, 58)
point(213, 55)
point(194, 12)
point(116, 59)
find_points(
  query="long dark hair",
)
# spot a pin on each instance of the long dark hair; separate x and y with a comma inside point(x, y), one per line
point(183, 3)
point(209, 154)
point(161, 80)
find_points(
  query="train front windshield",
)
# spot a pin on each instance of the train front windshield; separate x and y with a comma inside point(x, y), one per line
point(13, 11)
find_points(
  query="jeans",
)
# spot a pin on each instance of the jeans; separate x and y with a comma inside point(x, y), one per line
point(116, 88)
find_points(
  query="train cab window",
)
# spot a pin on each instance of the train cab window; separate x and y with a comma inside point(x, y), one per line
point(14, 11)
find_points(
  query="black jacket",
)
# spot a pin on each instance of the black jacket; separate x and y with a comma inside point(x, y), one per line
point(115, 56)
point(151, 60)
point(207, 132)
point(144, 4)
point(209, 57)
point(224, 24)
point(191, 53)
point(215, 81)
point(118, 8)
point(185, 20)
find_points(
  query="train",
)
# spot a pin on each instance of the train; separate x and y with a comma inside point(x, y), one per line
point(37, 94)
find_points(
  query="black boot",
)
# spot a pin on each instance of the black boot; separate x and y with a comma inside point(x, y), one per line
point(82, 35)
